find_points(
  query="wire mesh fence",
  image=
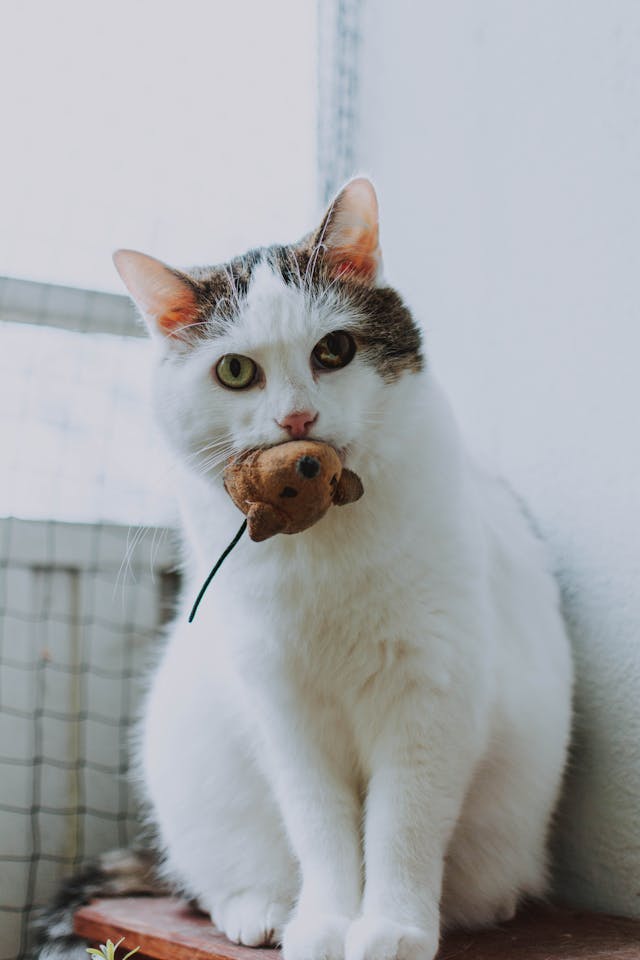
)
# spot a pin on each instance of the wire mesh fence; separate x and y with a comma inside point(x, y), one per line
point(83, 587)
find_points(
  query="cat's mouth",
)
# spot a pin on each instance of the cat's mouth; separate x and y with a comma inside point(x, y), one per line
point(343, 451)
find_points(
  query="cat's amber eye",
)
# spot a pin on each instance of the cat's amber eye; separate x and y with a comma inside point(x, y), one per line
point(334, 351)
point(236, 372)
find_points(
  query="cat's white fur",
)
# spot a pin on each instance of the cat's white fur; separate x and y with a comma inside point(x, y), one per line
point(364, 729)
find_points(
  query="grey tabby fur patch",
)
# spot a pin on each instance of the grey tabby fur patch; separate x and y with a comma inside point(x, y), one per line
point(119, 873)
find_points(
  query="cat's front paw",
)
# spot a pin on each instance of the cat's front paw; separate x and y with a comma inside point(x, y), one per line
point(251, 917)
point(377, 938)
point(315, 936)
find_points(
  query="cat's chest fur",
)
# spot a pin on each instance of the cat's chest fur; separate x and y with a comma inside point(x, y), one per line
point(349, 610)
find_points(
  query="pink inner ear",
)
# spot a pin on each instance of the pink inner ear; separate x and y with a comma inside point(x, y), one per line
point(181, 313)
point(361, 265)
point(351, 233)
point(165, 298)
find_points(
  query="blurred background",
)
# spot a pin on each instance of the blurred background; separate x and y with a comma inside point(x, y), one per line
point(504, 140)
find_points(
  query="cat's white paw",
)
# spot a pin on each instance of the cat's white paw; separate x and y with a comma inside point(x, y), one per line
point(251, 917)
point(315, 936)
point(377, 938)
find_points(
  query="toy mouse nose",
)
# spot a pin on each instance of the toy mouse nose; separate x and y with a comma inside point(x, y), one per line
point(298, 423)
point(308, 467)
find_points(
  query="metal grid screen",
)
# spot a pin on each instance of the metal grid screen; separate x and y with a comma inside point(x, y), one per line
point(83, 588)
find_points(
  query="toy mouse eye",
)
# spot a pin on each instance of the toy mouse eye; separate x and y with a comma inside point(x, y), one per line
point(236, 372)
point(334, 351)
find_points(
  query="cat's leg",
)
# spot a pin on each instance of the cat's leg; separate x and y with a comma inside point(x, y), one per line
point(314, 773)
point(217, 818)
point(252, 879)
point(421, 758)
point(498, 850)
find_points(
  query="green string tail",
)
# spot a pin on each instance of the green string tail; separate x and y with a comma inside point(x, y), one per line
point(216, 567)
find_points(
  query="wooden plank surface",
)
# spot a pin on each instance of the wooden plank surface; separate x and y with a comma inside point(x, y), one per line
point(163, 927)
point(167, 929)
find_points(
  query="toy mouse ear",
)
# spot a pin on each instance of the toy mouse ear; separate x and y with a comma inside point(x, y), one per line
point(165, 297)
point(348, 236)
point(349, 488)
point(264, 521)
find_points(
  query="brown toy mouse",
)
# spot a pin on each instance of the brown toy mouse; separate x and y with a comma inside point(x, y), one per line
point(284, 489)
point(289, 487)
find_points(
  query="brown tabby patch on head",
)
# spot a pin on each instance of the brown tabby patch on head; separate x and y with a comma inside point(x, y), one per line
point(220, 291)
point(386, 333)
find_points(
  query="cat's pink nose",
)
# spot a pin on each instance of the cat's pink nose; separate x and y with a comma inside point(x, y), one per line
point(298, 423)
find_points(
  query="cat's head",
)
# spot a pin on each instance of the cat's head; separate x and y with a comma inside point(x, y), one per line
point(281, 343)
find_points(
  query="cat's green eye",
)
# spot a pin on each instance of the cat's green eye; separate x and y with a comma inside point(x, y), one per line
point(334, 351)
point(236, 372)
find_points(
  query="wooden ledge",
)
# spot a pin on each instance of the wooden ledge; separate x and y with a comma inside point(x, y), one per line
point(167, 929)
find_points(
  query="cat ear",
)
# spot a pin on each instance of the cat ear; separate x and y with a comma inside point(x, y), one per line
point(166, 298)
point(349, 233)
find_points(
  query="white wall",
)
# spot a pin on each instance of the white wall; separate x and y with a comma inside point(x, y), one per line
point(186, 130)
point(505, 141)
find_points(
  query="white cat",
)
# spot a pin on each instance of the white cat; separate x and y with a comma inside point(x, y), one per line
point(361, 737)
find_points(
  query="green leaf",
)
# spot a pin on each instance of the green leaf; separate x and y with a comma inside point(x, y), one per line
point(107, 950)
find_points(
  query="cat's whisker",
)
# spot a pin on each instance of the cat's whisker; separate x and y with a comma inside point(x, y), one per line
point(296, 263)
point(219, 457)
point(327, 289)
point(125, 569)
point(320, 243)
point(184, 334)
point(159, 536)
point(233, 286)
point(205, 469)
point(312, 264)
point(223, 446)
point(212, 445)
point(225, 440)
